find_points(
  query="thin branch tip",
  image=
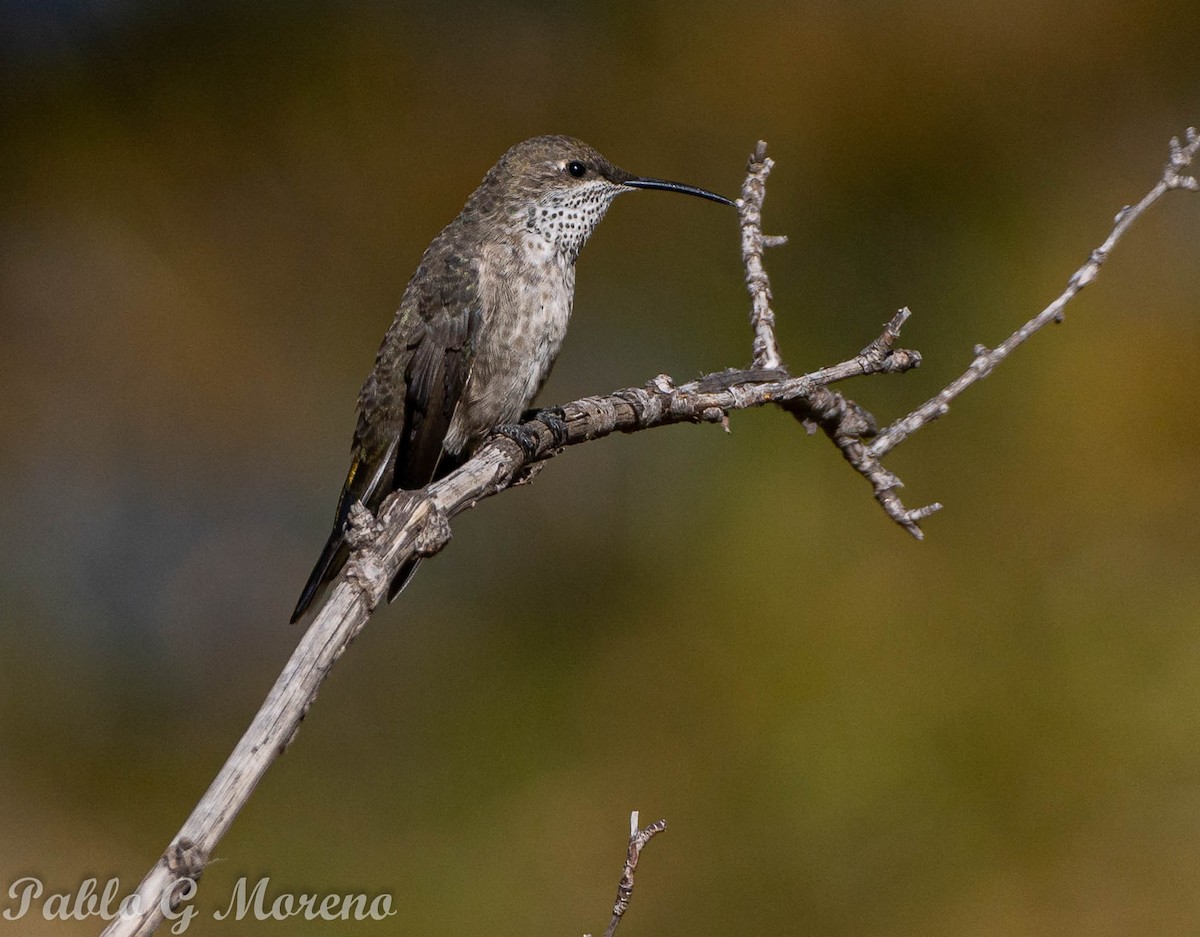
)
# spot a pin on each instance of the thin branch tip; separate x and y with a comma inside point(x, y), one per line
point(1182, 152)
point(647, 833)
point(766, 352)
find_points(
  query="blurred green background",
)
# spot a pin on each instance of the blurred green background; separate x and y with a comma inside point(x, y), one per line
point(209, 213)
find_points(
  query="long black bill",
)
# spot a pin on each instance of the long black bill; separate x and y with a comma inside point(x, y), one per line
point(637, 182)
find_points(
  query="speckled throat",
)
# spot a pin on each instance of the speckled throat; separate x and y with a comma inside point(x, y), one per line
point(565, 219)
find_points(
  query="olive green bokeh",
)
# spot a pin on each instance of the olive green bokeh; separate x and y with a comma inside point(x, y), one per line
point(208, 216)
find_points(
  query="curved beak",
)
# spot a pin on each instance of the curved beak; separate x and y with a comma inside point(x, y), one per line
point(639, 182)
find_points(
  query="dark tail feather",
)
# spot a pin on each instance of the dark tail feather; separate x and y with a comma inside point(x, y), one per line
point(403, 575)
point(447, 464)
point(333, 558)
point(336, 552)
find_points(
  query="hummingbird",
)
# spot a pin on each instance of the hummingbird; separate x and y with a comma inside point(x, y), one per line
point(478, 328)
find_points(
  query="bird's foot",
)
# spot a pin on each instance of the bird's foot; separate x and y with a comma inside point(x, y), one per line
point(554, 420)
point(527, 439)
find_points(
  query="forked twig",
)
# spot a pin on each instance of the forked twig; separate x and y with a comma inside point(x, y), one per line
point(638, 838)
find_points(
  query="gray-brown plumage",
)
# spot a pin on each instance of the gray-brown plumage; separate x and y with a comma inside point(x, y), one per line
point(479, 325)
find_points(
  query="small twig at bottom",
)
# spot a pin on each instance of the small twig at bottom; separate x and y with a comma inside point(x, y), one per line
point(637, 841)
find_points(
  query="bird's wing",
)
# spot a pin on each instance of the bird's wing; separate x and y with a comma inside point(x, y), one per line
point(408, 400)
point(435, 378)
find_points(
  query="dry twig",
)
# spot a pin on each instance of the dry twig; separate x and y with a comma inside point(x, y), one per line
point(762, 318)
point(866, 456)
point(1174, 176)
point(637, 842)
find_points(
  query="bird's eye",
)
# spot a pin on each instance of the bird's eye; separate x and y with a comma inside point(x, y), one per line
point(576, 168)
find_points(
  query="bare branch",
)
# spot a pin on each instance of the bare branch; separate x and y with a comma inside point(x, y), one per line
point(414, 523)
point(847, 425)
point(267, 737)
point(842, 420)
point(418, 523)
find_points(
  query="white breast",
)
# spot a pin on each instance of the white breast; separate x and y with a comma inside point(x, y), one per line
point(528, 291)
